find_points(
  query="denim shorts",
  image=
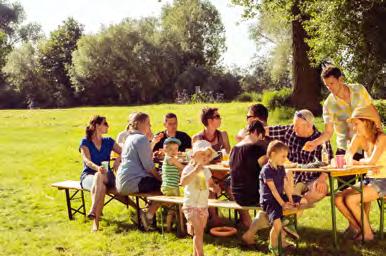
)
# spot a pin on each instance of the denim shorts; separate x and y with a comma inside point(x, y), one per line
point(88, 180)
point(379, 185)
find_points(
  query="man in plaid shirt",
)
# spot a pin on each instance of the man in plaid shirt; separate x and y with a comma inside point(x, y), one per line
point(313, 184)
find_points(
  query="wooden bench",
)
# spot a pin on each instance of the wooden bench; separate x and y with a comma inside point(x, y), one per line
point(217, 203)
point(72, 189)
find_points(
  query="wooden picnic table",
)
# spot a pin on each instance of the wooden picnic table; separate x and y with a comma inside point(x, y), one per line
point(334, 173)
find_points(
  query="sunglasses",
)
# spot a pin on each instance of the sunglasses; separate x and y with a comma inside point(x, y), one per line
point(216, 117)
point(105, 124)
point(249, 117)
point(300, 115)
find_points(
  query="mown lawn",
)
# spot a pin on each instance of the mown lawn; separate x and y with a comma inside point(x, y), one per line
point(39, 147)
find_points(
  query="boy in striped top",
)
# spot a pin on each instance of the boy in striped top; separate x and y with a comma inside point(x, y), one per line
point(171, 170)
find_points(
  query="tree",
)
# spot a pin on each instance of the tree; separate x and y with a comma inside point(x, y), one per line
point(306, 81)
point(196, 27)
point(11, 16)
point(23, 73)
point(353, 38)
point(56, 58)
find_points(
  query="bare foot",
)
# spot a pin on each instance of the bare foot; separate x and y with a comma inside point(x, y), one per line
point(368, 237)
point(95, 226)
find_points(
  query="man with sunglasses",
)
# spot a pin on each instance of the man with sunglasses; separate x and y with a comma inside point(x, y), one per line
point(255, 112)
point(312, 184)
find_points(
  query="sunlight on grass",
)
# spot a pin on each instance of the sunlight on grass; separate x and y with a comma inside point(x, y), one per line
point(39, 147)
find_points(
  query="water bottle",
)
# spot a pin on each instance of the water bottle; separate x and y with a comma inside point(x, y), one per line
point(325, 156)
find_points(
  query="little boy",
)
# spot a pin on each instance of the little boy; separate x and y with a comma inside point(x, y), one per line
point(171, 170)
point(273, 182)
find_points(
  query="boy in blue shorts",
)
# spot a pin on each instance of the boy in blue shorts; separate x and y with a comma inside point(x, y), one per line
point(273, 184)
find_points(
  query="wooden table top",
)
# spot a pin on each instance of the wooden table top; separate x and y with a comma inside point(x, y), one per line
point(335, 172)
point(218, 167)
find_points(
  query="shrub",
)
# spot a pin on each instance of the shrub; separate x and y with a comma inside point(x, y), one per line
point(249, 97)
point(381, 107)
point(282, 113)
point(276, 99)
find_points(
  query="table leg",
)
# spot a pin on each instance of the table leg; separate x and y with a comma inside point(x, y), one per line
point(333, 213)
point(362, 207)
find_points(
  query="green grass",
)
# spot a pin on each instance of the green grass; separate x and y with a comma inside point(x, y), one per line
point(39, 147)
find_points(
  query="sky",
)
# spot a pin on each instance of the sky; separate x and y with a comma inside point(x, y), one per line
point(93, 13)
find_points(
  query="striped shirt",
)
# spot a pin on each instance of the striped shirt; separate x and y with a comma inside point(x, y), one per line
point(170, 174)
point(337, 111)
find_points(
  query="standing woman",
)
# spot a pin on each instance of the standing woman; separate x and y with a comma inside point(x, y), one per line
point(95, 149)
point(211, 119)
point(370, 138)
point(137, 174)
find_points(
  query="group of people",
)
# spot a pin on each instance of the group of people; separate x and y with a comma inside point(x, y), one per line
point(257, 176)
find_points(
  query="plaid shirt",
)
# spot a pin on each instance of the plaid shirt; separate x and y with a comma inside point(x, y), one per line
point(336, 111)
point(286, 134)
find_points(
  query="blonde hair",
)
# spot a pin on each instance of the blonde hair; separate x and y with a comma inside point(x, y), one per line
point(135, 119)
point(276, 146)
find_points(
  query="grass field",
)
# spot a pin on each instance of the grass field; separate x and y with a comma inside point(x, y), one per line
point(39, 147)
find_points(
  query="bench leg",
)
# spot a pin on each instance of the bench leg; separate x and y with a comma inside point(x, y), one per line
point(138, 212)
point(68, 200)
point(83, 205)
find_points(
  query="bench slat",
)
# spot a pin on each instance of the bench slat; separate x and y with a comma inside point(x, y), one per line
point(68, 184)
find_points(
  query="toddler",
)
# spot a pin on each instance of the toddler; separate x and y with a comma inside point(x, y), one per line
point(197, 181)
point(171, 170)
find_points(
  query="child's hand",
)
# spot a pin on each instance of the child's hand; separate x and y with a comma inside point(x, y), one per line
point(216, 189)
point(172, 160)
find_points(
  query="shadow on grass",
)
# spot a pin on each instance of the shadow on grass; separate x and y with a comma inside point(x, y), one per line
point(121, 226)
point(313, 241)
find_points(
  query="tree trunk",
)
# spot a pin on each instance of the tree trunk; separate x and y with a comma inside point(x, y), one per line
point(307, 83)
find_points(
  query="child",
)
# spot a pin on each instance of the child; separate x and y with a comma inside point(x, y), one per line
point(273, 182)
point(196, 179)
point(171, 170)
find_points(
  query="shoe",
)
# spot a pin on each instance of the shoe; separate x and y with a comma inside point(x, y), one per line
point(144, 221)
point(291, 231)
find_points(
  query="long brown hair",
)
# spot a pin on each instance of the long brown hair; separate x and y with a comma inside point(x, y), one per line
point(91, 128)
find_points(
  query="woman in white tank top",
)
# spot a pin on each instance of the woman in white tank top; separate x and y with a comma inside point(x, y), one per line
point(370, 138)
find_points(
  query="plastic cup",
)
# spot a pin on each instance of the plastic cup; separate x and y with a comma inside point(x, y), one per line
point(105, 164)
point(340, 161)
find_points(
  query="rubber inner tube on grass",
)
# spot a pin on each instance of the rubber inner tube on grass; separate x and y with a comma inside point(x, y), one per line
point(223, 231)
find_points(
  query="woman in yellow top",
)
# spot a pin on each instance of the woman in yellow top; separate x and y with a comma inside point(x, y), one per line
point(370, 138)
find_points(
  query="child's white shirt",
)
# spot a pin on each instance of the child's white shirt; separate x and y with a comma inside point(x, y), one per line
point(196, 193)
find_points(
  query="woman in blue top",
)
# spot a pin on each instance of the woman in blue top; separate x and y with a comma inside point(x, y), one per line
point(96, 149)
point(136, 172)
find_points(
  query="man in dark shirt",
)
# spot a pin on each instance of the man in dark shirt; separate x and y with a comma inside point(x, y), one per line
point(170, 123)
point(312, 184)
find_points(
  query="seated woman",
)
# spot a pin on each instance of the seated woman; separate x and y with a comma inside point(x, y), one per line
point(211, 119)
point(94, 150)
point(246, 159)
point(137, 174)
point(370, 138)
point(219, 140)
